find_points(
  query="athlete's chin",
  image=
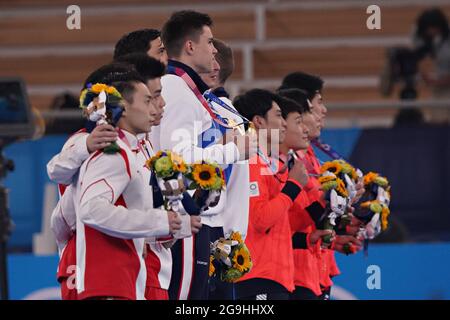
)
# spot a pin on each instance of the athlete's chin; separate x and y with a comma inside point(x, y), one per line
point(148, 127)
point(303, 145)
point(279, 139)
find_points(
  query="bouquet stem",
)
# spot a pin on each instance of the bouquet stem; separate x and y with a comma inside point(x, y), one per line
point(326, 239)
point(112, 148)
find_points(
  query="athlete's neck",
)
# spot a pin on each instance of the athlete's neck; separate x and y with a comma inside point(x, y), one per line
point(202, 86)
point(187, 61)
point(264, 143)
point(122, 125)
point(284, 149)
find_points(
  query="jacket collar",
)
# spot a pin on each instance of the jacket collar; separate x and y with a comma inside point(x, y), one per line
point(220, 92)
point(130, 139)
point(202, 87)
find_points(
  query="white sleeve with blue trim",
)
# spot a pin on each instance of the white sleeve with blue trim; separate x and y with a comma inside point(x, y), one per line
point(183, 124)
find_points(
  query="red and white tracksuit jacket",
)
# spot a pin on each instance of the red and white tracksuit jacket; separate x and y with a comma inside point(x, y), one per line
point(61, 168)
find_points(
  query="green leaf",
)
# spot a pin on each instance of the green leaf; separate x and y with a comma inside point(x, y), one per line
point(112, 148)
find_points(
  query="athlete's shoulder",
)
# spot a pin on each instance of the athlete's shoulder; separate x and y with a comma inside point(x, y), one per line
point(101, 163)
point(171, 80)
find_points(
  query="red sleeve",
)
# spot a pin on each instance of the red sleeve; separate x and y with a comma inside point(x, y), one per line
point(315, 192)
point(266, 208)
point(298, 216)
point(308, 208)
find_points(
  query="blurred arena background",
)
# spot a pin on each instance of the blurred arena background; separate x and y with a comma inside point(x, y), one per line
point(406, 140)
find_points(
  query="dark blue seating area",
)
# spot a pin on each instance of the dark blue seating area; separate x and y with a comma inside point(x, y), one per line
point(417, 161)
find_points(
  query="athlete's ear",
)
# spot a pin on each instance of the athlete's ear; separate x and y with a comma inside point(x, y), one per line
point(189, 47)
point(126, 106)
point(260, 122)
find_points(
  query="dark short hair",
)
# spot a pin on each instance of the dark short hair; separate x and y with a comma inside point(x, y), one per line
point(255, 102)
point(135, 41)
point(298, 96)
point(126, 89)
point(432, 18)
point(119, 75)
point(148, 68)
point(304, 81)
point(181, 26)
point(288, 106)
point(224, 57)
point(113, 72)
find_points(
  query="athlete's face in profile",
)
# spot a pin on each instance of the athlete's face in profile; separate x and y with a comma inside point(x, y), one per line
point(318, 109)
point(202, 51)
point(154, 86)
point(140, 113)
point(312, 124)
point(212, 78)
point(296, 137)
point(157, 50)
point(275, 125)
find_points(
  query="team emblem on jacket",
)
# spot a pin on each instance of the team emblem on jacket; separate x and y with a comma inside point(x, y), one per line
point(254, 189)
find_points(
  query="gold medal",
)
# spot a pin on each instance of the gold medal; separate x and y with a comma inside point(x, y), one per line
point(251, 128)
point(236, 126)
